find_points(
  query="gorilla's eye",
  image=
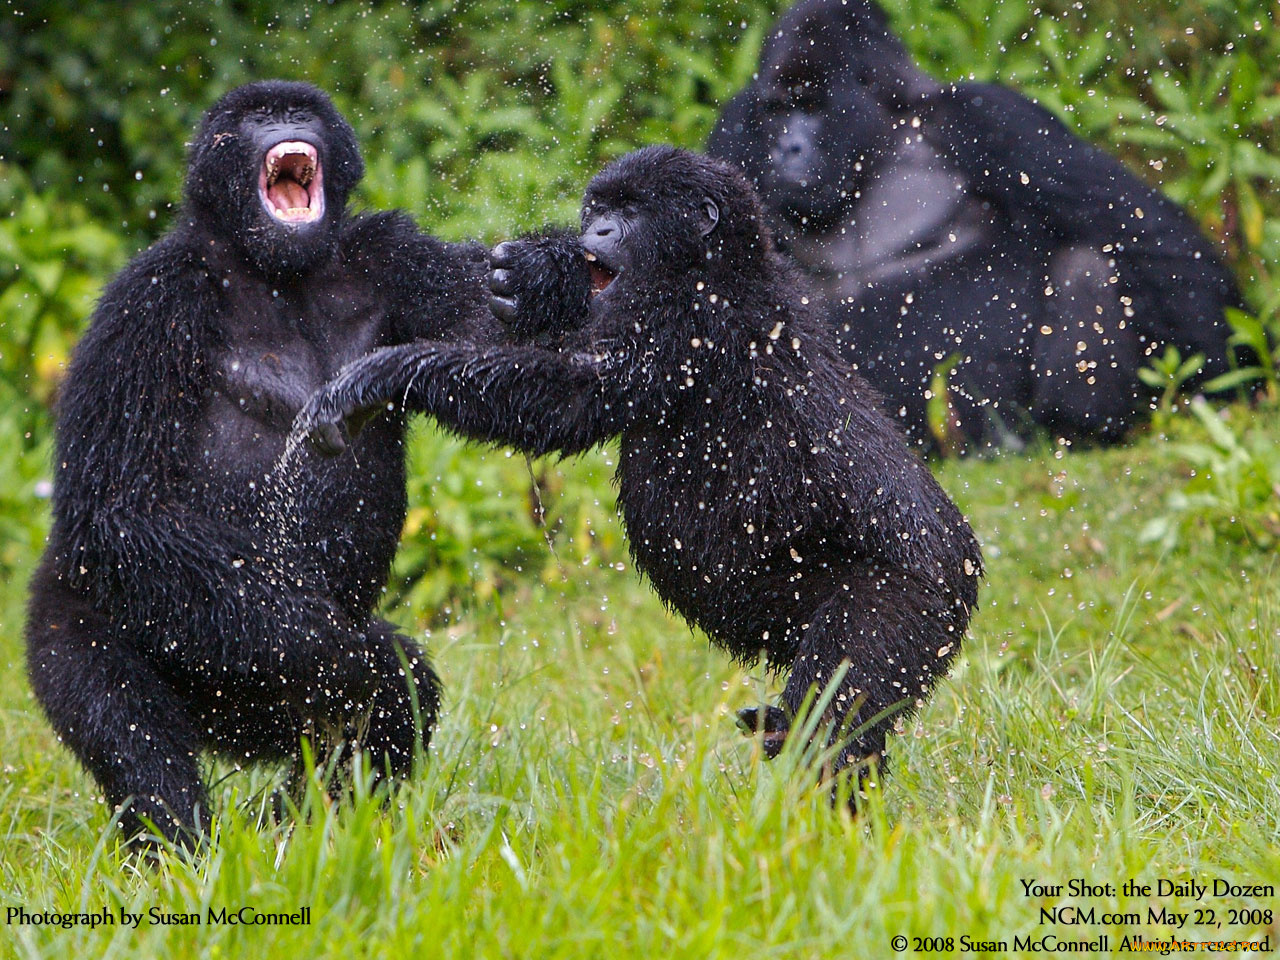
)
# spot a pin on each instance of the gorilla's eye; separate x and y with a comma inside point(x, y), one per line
point(807, 99)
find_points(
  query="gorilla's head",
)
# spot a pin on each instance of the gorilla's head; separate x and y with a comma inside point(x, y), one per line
point(832, 79)
point(660, 211)
point(270, 170)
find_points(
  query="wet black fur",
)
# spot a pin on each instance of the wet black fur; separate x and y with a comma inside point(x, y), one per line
point(185, 603)
point(1055, 280)
point(765, 495)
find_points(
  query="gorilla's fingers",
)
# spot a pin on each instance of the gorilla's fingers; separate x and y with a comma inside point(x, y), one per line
point(500, 283)
point(503, 255)
point(327, 438)
point(771, 722)
point(504, 308)
point(321, 423)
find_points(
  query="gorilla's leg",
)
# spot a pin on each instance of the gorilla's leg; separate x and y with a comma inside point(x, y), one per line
point(245, 724)
point(403, 707)
point(122, 719)
point(389, 727)
point(385, 728)
point(1087, 353)
point(890, 628)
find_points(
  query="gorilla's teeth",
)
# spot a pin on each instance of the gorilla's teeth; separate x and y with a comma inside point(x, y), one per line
point(302, 174)
point(591, 257)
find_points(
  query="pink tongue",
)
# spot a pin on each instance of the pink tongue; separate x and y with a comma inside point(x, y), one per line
point(288, 193)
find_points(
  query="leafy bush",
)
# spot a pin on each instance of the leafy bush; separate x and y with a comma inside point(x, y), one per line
point(1167, 375)
point(53, 259)
point(454, 102)
point(23, 484)
point(484, 114)
point(480, 520)
point(1261, 334)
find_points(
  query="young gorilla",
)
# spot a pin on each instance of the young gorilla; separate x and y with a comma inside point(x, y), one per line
point(187, 601)
point(765, 495)
point(964, 220)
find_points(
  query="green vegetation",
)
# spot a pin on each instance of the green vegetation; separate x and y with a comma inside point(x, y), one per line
point(1115, 714)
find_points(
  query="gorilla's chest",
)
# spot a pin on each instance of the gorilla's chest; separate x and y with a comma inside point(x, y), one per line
point(277, 346)
point(917, 212)
point(693, 502)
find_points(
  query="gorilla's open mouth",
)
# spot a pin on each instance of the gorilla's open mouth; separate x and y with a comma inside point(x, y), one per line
point(601, 274)
point(291, 183)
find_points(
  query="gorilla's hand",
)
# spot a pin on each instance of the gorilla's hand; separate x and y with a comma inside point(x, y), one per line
point(540, 284)
point(339, 410)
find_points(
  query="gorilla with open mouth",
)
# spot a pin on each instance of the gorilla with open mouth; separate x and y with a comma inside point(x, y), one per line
point(193, 598)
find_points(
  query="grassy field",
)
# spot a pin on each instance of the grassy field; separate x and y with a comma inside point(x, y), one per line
point(1113, 718)
point(1115, 715)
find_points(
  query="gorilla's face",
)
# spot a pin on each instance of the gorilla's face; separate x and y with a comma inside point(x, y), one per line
point(271, 170)
point(824, 135)
point(657, 206)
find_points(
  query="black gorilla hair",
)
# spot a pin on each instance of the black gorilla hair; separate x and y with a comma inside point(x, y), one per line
point(810, 43)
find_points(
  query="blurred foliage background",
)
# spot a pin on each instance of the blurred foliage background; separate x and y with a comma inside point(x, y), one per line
point(481, 117)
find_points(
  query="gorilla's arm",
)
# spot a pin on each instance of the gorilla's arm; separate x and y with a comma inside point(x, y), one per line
point(534, 399)
point(440, 291)
point(196, 586)
point(1025, 159)
point(1020, 154)
point(435, 290)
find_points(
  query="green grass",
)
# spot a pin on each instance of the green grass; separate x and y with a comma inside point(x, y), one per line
point(1114, 716)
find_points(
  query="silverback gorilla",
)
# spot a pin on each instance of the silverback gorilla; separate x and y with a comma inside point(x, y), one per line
point(179, 607)
point(765, 495)
point(965, 223)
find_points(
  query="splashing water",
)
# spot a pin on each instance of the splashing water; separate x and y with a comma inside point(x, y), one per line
point(283, 520)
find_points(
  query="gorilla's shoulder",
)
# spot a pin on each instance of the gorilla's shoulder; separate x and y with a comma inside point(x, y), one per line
point(373, 232)
point(170, 267)
point(389, 239)
point(159, 306)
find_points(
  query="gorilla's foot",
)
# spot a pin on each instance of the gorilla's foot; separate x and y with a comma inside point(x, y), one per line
point(771, 722)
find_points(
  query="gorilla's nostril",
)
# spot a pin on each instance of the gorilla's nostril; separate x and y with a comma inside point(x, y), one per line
point(788, 148)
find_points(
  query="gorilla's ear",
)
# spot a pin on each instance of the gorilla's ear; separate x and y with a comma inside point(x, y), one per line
point(710, 216)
